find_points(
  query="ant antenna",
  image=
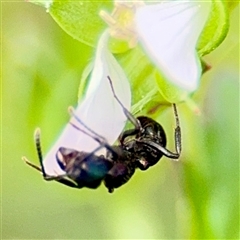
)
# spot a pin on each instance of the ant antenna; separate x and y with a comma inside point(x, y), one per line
point(130, 117)
point(115, 96)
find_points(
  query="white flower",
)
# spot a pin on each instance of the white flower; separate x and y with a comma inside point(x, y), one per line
point(169, 32)
point(98, 110)
point(120, 21)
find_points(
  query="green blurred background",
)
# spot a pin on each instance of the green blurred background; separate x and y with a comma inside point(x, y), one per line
point(197, 197)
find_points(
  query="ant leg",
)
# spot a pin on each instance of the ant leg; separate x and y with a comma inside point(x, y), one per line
point(72, 113)
point(39, 151)
point(67, 182)
point(178, 145)
point(178, 138)
point(130, 117)
point(138, 127)
point(59, 178)
point(31, 164)
point(101, 140)
point(41, 169)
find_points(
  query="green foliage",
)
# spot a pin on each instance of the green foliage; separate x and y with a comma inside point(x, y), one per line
point(80, 19)
point(169, 91)
point(215, 29)
point(46, 3)
point(232, 4)
point(195, 198)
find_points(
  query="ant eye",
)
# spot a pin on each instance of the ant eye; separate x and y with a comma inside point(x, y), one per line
point(149, 130)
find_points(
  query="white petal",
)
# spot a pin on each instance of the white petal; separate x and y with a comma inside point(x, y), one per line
point(169, 32)
point(98, 110)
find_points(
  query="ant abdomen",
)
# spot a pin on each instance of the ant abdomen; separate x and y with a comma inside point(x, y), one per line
point(86, 169)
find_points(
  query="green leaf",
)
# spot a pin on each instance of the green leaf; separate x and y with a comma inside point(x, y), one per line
point(232, 4)
point(118, 46)
point(215, 29)
point(139, 71)
point(80, 19)
point(169, 91)
point(46, 4)
point(84, 79)
point(146, 95)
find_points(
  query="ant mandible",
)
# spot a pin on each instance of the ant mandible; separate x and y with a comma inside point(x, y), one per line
point(140, 147)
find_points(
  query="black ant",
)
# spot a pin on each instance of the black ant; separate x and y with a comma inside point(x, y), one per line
point(140, 147)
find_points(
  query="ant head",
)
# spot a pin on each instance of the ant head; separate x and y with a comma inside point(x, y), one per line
point(152, 130)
